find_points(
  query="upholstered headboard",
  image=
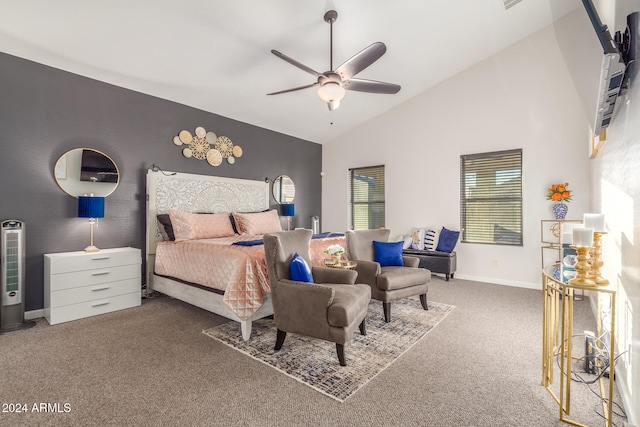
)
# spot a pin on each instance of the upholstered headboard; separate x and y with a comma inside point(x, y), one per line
point(198, 193)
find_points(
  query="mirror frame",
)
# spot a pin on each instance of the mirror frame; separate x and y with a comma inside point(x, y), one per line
point(66, 173)
point(289, 195)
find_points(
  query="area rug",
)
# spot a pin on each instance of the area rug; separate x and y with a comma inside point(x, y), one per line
point(315, 363)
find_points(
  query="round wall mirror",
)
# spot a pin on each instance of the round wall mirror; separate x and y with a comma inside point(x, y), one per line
point(86, 171)
point(283, 189)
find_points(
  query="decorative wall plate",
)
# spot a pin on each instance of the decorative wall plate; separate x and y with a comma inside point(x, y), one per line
point(214, 158)
point(225, 146)
point(199, 146)
point(207, 146)
point(185, 136)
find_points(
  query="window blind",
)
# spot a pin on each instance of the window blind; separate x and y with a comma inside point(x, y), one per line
point(491, 197)
point(366, 193)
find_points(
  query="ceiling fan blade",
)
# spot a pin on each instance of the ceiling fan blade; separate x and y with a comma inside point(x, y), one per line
point(371, 86)
point(361, 60)
point(295, 63)
point(293, 89)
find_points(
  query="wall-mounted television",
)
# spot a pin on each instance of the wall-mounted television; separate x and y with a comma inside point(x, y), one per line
point(96, 167)
point(596, 60)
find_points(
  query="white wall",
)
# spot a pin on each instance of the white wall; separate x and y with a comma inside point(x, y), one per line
point(615, 191)
point(521, 98)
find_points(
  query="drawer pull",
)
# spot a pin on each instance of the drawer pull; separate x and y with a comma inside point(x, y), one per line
point(99, 258)
point(100, 273)
point(104, 288)
point(98, 304)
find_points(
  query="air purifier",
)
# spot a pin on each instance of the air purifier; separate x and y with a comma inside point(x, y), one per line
point(12, 257)
point(315, 224)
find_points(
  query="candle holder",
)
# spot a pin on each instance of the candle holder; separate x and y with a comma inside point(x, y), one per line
point(583, 269)
point(595, 260)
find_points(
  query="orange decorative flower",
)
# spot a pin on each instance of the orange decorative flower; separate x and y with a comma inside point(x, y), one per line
point(559, 192)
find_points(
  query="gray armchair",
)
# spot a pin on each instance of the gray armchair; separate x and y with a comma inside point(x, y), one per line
point(329, 309)
point(387, 283)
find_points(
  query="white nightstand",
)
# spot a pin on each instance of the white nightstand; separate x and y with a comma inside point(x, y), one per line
point(82, 284)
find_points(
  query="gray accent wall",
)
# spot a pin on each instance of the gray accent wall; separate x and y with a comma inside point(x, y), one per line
point(45, 111)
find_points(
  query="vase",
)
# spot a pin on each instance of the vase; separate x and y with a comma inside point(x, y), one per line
point(560, 210)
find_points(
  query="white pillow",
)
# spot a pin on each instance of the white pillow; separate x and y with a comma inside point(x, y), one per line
point(417, 236)
point(407, 242)
point(430, 240)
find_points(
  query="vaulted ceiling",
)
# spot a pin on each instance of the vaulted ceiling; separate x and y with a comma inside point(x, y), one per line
point(216, 55)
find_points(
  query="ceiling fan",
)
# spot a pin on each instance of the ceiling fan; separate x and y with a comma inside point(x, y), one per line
point(334, 82)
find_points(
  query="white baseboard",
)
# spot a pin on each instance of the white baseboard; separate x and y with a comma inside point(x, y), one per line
point(33, 314)
point(514, 283)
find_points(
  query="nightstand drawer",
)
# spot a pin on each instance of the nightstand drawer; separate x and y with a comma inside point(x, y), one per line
point(80, 261)
point(93, 292)
point(92, 308)
point(81, 284)
point(93, 277)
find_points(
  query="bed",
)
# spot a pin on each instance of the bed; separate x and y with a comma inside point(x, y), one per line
point(222, 271)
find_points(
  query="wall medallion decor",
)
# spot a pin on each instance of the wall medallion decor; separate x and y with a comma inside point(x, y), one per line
point(207, 146)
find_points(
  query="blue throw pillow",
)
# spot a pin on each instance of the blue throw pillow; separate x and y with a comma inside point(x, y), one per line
point(299, 270)
point(448, 240)
point(388, 253)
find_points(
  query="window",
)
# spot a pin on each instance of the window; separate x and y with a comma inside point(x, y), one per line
point(366, 193)
point(491, 197)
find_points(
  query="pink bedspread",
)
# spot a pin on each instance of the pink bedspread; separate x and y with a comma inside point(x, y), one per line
point(239, 271)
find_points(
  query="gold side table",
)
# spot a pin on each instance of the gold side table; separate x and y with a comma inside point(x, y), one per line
point(557, 333)
point(347, 265)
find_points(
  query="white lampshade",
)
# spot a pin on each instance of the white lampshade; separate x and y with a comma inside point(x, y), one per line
point(331, 92)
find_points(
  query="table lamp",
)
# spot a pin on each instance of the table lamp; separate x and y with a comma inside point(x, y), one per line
point(91, 207)
point(287, 209)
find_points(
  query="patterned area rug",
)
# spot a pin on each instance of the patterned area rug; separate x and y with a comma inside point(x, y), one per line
point(315, 363)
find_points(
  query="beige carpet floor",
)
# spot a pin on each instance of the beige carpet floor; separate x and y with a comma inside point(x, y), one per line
point(153, 366)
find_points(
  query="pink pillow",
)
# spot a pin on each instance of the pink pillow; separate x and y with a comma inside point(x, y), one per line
point(189, 226)
point(257, 223)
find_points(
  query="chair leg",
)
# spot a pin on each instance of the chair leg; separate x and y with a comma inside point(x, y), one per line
point(340, 350)
point(423, 301)
point(386, 307)
point(280, 339)
point(363, 327)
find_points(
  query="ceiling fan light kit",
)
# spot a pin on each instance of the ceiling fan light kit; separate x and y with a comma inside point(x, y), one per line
point(331, 92)
point(334, 83)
